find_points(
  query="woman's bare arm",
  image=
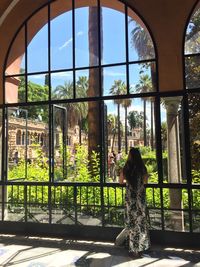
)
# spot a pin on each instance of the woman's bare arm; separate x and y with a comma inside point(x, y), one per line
point(121, 177)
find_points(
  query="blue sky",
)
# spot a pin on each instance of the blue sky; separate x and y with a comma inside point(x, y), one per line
point(114, 50)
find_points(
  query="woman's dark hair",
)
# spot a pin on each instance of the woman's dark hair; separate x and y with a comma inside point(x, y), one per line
point(134, 167)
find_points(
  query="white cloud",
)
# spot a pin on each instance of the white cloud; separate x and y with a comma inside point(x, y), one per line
point(80, 33)
point(62, 74)
point(113, 73)
point(68, 42)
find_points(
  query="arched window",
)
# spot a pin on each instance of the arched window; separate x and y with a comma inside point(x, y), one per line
point(95, 62)
point(18, 137)
point(192, 81)
point(23, 138)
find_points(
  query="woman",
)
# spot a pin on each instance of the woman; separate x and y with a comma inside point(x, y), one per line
point(135, 175)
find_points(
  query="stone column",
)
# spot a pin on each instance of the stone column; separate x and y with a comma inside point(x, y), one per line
point(174, 167)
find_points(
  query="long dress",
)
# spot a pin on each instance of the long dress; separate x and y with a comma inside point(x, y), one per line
point(136, 220)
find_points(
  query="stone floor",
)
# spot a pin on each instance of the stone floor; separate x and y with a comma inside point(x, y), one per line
point(53, 252)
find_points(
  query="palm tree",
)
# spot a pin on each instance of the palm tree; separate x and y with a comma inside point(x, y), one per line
point(76, 112)
point(111, 121)
point(126, 103)
point(145, 85)
point(142, 42)
point(118, 88)
point(93, 89)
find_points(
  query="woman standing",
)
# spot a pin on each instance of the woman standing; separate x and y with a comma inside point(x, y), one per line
point(135, 175)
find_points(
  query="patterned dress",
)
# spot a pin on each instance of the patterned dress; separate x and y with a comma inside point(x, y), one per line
point(136, 220)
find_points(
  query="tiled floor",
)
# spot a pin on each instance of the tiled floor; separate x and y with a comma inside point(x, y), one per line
point(16, 251)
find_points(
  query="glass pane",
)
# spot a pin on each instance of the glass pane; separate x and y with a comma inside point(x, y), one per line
point(192, 40)
point(153, 197)
point(87, 83)
point(114, 206)
point(62, 85)
point(63, 205)
point(28, 147)
point(60, 142)
point(61, 35)
point(86, 34)
point(194, 126)
point(16, 58)
point(196, 199)
point(37, 204)
point(196, 221)
point(14, 208)
point(172, 133)
point(82, 158)
point(38, 87)
point(155, 219)
point(176, 220)
point(113, 41)
point(175, 198)
point(37, 54)
point(140, 42)
point(15, 89)
point(142, 77)
point(1, 130)
point(192, 72)
point(114, 80)
point(129, 123)
point(89, 206)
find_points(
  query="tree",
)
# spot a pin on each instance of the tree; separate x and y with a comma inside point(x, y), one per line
point(145, 85)
point(76, 112)
point(126, 103)
point(118, 88)
point(94, 130)
point(135, 119)
point(36, 92)
point(112, 129)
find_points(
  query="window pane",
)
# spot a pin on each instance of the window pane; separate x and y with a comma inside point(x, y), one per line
point(16, 58)
point(113, 47)
point(14, 208)
point(176, 199)
point(196, 199)
point(140, 42)
point(142, 77)
point(86, 34)
point(129, 123)
point(192, 72)
point(37, 50)
point(63, 206)
point(62, 85)
point(114, 80)
point(114, 206)
point(28, 147)
point(176, 220)
point(155, 219)
point(37, 204)
point(192, 40)
point(87, 83)
point(38, 87)
point(89, 205)
point(173, 140)
point(196, 221)
point(15, 89)
point(1, 130)
point(79, 155)
point(194, 119)
point(61, 35)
